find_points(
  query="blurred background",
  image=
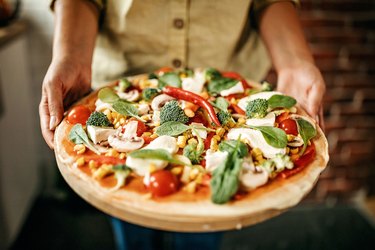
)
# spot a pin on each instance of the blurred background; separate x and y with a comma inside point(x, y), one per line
point(39, 211)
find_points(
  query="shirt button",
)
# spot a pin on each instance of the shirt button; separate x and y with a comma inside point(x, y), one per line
point(178, 23)
point(177, 63)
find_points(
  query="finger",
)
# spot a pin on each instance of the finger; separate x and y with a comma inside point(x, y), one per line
point(321, 118)
point(315, 97)
point(44, 121)
point(54, 93)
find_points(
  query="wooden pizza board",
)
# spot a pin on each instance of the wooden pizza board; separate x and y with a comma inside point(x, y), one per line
point(200, 215)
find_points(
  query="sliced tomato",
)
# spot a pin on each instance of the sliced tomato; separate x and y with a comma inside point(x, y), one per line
point(163, 183)
point(79, 114)
point(101, 159)
point(301, 162)
point(141, 128)
point(207, 142)
point(236, 76)
point(147, 139)
point(289, 126)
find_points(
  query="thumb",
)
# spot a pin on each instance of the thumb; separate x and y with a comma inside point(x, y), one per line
point(55, 104)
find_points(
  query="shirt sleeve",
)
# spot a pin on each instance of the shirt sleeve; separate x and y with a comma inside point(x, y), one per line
point(98, 4)
point(259, 5)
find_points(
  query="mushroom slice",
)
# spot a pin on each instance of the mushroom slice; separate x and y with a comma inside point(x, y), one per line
point(130, 96)
point(296, 142)
point(125, 144)
point(159, 101)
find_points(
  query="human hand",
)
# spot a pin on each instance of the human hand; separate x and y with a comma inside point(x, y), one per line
point(304, 82)
point(65, 82)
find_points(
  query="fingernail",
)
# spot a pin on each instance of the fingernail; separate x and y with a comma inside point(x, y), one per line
point(52, 122)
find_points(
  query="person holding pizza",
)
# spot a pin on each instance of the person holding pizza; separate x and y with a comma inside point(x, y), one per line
point(98, 41)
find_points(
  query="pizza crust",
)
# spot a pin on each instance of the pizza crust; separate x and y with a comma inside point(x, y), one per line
point(199, 215)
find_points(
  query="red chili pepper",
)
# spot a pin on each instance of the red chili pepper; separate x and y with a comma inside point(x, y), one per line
point(237, 109)
point(194, 98)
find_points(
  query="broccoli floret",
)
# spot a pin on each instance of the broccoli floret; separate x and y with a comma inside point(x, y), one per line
point(98, 119)
point(194, 151)
point(172, 112)
point(266, 86)
point(257, 108)
point(277, 164)
point(123, 85)
point(224, 118)
point(152, 76)
point(149, 93)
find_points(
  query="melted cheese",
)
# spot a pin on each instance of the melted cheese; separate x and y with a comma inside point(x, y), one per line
point(213, 159)
point(256, 140)
point(268, 120)
point(236, 89)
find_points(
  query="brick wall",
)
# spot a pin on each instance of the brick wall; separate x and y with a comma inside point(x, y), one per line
point(341, 35)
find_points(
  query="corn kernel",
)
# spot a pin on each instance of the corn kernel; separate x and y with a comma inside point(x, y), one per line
point(213, 145)
point(117, 125)
point(233, 100)
point(153, 136)
point(220, 132)
point(287, 150)
point(152, 168)
point(294, 151)
point(290, 137)
point(192, 141)
point(79, 149)
point(241, 121)
point(146, 117)
point(156, 124)
point(104, 170)
point(191, 187)
point(147, 134)
point(216, 137)
point(93, 165)
point(181, 141)
point(122, 120)
point(122, 156)
point(193, 173)
point(204, 95)
point(199, 179)
point(260, 161)
point(112, 152)
point(256, 151)
point(176, 170)
point(294, 157)
point(80, 161)
point(189, 113)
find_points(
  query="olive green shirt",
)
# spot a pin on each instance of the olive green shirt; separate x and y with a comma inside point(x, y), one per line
point(142, 35)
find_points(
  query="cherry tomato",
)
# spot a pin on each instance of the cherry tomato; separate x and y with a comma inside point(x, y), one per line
point(289, 126)
point(236, 76)
point(282, 117)
point(79, 114)
point(163, 183)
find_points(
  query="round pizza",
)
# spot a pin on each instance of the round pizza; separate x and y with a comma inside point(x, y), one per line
point(190, 150)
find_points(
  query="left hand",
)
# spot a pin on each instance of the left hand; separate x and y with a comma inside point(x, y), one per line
point(304, 82)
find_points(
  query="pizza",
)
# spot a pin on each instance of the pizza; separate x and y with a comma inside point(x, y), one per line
point(190, 150)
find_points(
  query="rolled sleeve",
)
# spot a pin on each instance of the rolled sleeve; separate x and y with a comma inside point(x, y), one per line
point(100, 4)
point(259, 5)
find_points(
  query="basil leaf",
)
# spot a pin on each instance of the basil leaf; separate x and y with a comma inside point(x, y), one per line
point(274, 136)
point(171, 128)
point(281, 101)
point(127, 109)
point(156, 154)
point(107, 95)
point(221, 103)
point(218, 84)
point(230, 145)
point(78, 135)
point(307, 132)
point(170, 79)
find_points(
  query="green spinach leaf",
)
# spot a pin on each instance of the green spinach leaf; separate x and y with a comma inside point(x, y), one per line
point(107, 95)
point(170, 79)
point(78, 135)
point(171, 128)
point(127, 109)
point(274, 136)
point(156, 154)
point(281, 101)
point(230, 145)
point(218, 84)
point(307, 132)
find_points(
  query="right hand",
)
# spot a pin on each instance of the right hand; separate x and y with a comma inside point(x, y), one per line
point(65, 82)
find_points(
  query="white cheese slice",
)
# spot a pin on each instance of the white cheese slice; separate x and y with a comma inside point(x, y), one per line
point(99, 134)
point(143, 108)
point(242, 103)
point(236, 89)
point(142, 166)
point(251, 180)
point(268, 120)
point(101, 106)
point(256, 140)
point(201, 131)
point(213, 159)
